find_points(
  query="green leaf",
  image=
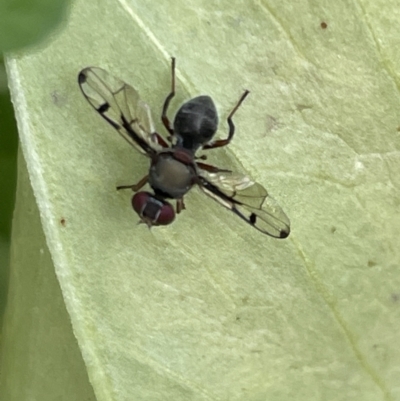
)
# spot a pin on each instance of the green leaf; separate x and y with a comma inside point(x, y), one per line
point(8, 176)
point(208, 308)
point(40, 358)
point(26, 22)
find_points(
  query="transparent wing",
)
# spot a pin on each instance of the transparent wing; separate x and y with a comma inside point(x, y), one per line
point(248, 200)
point(120, 105)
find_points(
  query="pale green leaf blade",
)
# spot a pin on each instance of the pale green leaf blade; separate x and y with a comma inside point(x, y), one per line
point(207, 308)
point(40, 358)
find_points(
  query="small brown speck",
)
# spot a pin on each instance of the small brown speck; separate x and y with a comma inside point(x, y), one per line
point(62, 221)
point(395, 297)
point(324, 25)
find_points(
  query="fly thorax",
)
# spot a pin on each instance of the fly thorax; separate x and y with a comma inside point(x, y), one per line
point(170, 177)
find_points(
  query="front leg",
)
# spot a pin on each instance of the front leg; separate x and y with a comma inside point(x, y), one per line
point(137, 186)
point(180, 205)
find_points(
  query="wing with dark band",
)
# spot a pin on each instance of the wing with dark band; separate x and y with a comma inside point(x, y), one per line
point(248, 200)
point(120, 105)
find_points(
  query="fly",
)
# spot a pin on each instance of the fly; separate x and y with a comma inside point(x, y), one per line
point(174, 167)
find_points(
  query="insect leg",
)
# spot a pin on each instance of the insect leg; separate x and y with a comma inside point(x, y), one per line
point(159, 139)
point(135, 187)
point(180, 205)
point(224, 142)
point(211, 169)
point(164, 117)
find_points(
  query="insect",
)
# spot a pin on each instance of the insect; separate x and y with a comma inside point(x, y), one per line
point(174, 166)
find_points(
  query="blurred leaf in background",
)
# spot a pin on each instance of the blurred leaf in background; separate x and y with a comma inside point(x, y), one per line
point(25, 22)
point(8, 154)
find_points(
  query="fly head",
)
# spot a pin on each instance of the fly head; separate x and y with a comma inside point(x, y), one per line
point(153, 211)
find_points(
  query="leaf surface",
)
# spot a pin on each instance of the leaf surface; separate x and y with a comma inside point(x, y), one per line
point(207, 308)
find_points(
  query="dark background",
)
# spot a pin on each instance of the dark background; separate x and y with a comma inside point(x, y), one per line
point(8, 175)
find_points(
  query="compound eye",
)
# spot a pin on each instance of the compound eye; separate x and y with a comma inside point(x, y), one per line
point(153, 211)
point(139, 201)
point(167, 214)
